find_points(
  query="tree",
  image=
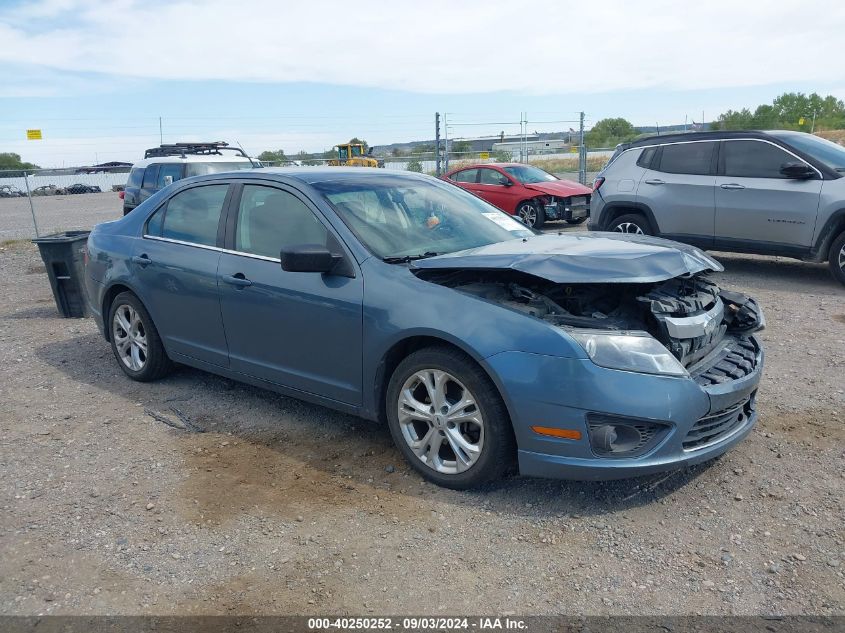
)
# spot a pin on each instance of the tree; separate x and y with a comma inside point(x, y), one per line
point(460, 147)
point(269, 156)
point(356, 141)
point(791, 111)
point(610, 132)
point(10, 160)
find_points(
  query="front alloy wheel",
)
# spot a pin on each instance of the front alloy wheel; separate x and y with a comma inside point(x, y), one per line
point(837, 258)
point(440, 421)
point(531, 215)
point(629, 227)
point(448, 420)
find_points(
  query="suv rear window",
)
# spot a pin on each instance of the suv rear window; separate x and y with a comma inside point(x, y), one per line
point(136, 177)
point(645, 158)
point(686, 158)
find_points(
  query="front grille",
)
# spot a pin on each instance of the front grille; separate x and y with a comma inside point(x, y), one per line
point(716, 427)
point(737, 359)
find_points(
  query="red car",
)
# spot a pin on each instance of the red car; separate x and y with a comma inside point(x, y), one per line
point(527, 191)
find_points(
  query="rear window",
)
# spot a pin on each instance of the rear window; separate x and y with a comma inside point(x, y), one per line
point(201, 169)
point(686, 158)
point(467, 175)
point(646, 157)
point(136, 177)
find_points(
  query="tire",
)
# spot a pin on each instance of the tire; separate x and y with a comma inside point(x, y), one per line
point(143, 365)
point(577, 221)
point(485, 425)
point(631, 223)
point(836, 258)
point(532, 214)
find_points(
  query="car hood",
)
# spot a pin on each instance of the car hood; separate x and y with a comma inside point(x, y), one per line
point(582, 258)
point(563, 188)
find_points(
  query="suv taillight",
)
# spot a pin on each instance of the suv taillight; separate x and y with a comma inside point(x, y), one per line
point(598, 182)
point(121, 195)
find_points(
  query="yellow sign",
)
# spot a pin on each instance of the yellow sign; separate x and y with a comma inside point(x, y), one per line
point(33, 135)
point(484, 155)
point(573, 149)
point(801, 121)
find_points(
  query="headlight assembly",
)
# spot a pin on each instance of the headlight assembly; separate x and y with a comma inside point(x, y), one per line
point(628, 351)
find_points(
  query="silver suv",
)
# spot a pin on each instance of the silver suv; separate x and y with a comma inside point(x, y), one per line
point(771, 193)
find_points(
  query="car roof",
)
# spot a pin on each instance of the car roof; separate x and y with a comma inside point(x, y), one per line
point(477, 165)
point(192, 158)
point(661, 139)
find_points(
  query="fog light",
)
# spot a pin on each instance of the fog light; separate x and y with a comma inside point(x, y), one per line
point(619, 437)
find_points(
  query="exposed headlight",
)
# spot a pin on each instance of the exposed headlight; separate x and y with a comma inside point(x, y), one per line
point(628, 351)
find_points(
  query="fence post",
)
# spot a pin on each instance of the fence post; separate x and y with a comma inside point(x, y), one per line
point(445, 143)
point(31, 207)
point(437, 144)
point(582, 154)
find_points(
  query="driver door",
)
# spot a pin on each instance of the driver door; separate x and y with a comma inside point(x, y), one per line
point(299, 330)
point(491, 186)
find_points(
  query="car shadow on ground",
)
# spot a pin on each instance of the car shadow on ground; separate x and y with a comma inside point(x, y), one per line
point(343, 449)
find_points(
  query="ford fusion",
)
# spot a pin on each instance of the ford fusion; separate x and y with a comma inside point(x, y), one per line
point(400, 298)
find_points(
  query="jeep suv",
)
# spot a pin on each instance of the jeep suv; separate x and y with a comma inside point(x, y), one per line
point(770, 193)
point(168, 163)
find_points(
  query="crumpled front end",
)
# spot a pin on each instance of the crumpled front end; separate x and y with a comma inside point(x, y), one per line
point(605, 416)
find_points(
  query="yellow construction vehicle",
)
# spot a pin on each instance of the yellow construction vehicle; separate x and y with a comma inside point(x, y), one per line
point(353, 155)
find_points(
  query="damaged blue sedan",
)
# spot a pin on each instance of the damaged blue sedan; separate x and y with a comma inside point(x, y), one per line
point(483, 345)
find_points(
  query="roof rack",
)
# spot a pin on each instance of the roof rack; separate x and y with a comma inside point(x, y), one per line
point(183, 149)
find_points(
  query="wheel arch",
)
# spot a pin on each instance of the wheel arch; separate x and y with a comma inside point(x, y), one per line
point(406, 346)
point(833, 228)
point(108, 297)
point(613, 210)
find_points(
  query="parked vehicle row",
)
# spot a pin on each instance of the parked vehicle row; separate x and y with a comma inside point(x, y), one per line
point(771, 193)
point(10, 191)
point(482, 344)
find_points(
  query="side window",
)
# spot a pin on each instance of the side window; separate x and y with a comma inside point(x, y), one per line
point(754, 159)
point(646, 157)
point(150, 176)
point(136, 177)
point(174, 170)
point(155, 222)
point(193, 215)
point(467, 175)
point(490, 177)
point(270, 219)
point(686, 158)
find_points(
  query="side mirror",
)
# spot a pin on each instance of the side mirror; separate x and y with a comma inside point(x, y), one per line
point(308, 258)
point(797, 170)
point(506, 182)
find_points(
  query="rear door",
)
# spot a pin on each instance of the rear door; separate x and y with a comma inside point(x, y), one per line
point(175, 270)
point(679, 190)
point(299, 330)
point(758, 207)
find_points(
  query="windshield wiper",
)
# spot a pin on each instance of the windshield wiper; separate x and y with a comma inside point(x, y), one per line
point(404, 259)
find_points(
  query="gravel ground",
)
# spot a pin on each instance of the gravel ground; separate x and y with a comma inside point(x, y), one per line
point(56, 213)
point(284, 507)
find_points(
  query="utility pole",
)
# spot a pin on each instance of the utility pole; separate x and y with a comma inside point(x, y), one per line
point(813, 126)
point(437, 144)
point(160, 133)
point(582, 154)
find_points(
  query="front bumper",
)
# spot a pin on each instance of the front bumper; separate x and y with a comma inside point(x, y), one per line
point(703, 421)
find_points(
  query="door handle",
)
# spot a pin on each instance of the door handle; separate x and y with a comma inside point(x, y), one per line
point(732, 185)
point(655, 181)
point(237, 280)
point(142, 260)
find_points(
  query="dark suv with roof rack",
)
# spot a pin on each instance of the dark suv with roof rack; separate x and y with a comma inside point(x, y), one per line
point(770, 193)
point(171, 162)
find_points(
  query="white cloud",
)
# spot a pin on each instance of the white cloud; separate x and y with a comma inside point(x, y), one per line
point(439, 46)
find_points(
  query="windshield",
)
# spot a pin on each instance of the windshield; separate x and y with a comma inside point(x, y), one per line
point(824, 151)
point(201, 169)
point(526, 174)
point(396, 216)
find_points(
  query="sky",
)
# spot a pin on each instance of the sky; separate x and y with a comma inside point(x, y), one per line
point(105, 80)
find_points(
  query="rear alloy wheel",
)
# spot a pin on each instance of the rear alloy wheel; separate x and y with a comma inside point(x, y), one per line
point(135, 340)
point(448, 420)
point(531, 214)
point(632, 223)
point(837, 258)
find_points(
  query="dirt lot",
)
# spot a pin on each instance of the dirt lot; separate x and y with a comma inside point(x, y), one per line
point(285, 507)
point(56, 213)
